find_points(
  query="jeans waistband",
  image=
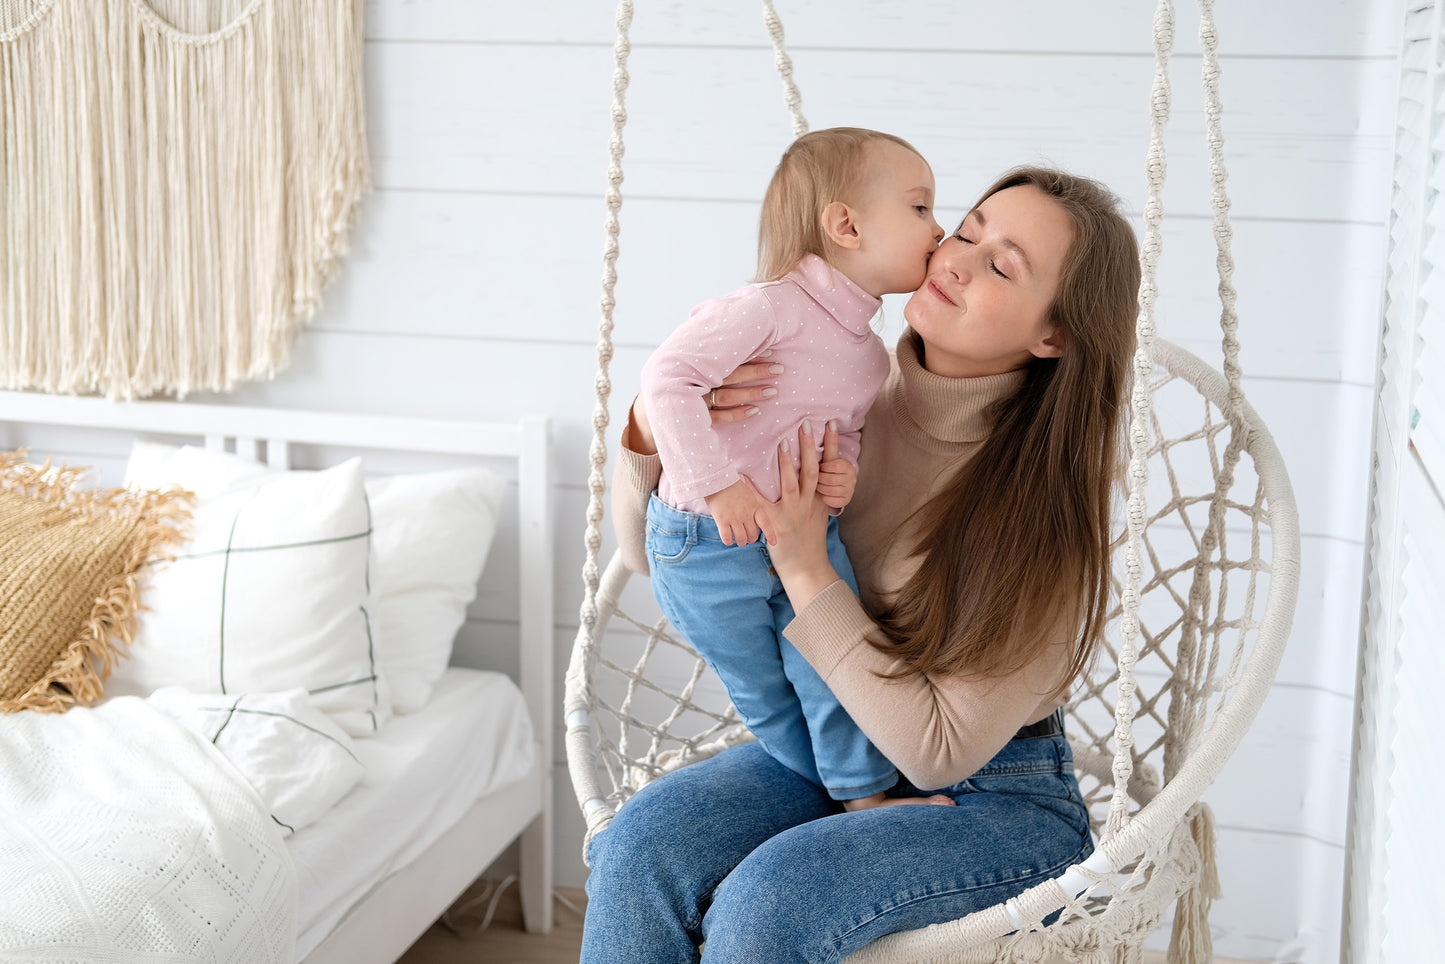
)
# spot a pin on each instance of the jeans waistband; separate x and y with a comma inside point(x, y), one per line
point(1051, 725)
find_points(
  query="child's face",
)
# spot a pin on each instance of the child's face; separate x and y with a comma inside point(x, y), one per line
point(894, 215)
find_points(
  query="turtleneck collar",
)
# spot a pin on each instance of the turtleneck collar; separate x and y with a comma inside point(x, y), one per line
point(853, 307)
point(947, 409)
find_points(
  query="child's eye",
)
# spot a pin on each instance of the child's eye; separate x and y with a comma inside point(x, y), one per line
point(921, 208)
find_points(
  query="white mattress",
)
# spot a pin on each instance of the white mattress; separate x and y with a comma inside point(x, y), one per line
point(423, 771)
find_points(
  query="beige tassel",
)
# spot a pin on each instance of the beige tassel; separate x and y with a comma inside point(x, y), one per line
point(1191, 942)
point(72, 659)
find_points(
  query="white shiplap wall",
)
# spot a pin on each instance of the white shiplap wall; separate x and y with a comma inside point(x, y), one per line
point(472, 285)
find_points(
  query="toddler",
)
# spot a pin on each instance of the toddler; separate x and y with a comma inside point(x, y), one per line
point(847, 218)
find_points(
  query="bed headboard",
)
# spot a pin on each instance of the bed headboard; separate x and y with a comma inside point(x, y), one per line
point(270, 435)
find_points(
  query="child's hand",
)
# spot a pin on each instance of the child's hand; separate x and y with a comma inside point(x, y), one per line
point(739, 512)
point(837, 478)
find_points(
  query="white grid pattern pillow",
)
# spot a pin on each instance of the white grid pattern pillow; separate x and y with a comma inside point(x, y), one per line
point(272, 592)
point(431, 533)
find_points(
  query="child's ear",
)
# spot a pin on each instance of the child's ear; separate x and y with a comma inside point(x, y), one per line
point(839, 225)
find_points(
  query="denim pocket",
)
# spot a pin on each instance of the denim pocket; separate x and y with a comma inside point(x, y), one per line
point(1029, 768)
point(1033, 783)
point(666, 544)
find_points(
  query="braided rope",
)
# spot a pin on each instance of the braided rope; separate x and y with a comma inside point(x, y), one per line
point(597, 478)
point(1141, 402)
point(784, 63)
point(1198, 663)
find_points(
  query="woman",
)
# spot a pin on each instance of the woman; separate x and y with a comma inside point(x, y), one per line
point(980, 537)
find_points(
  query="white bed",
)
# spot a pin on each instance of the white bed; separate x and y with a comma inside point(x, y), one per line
point(449, 786)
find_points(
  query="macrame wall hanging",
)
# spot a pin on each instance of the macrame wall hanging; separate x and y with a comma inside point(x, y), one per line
point(177, 178)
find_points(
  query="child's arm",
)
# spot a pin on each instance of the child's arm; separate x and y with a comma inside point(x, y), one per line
point(693, 360)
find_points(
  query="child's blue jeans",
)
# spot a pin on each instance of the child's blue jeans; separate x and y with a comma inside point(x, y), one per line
point(730, 605)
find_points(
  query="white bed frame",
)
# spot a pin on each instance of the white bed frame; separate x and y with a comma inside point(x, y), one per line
point(399, 908)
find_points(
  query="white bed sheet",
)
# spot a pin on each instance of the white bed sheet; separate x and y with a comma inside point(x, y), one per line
point(423, 771)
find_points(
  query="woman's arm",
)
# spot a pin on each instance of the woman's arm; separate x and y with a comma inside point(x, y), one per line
point(936, 730)
point(634, 479)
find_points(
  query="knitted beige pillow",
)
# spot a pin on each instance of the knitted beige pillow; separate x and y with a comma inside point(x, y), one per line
point(70, 560)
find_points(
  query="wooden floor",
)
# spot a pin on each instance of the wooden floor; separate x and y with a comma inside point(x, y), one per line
point(504, 941)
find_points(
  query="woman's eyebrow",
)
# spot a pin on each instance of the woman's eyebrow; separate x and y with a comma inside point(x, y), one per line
point(1028, 266)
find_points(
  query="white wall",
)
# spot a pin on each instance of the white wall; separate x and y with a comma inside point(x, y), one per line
point(473, 281)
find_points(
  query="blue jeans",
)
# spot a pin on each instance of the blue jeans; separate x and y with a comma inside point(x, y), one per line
point(740, 852)
point(730, 605)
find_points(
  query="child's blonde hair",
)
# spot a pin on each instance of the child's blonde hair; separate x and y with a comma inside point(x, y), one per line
point(817, 169)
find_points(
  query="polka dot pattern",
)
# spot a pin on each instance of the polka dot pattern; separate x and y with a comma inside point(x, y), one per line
point(817, 324)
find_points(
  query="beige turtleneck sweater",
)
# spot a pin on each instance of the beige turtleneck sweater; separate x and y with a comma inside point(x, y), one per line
point(936, 730)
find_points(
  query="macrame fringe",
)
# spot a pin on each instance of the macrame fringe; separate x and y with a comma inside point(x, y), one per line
point(1191, 942)
point(184, 192)
point(78, 674)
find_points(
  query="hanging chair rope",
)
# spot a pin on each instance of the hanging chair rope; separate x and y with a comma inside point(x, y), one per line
point(1141, 406)
point(580, 672)
point(784, 64)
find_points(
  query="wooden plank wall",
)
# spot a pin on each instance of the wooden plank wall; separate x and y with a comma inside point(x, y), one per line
point(473, 281)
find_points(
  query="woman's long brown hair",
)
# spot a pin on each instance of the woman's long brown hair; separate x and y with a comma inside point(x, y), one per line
point(1018, 543)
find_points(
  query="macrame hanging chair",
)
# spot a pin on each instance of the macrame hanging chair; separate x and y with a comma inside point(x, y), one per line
point(1206, 581)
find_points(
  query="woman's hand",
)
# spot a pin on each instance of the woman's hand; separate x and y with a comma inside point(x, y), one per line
point(734, 400)
point(798, 543)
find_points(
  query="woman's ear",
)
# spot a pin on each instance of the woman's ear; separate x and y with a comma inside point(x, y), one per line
point(1051, 345)
point(839, 225)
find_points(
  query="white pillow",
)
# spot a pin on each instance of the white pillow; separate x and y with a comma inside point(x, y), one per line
point(430, 536)
point(433, 531)
point(274, 590)
point(299, 761)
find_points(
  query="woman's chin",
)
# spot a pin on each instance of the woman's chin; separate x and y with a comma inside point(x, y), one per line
point(912, 308)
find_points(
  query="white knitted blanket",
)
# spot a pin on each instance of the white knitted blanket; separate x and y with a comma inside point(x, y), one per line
point(125, 837)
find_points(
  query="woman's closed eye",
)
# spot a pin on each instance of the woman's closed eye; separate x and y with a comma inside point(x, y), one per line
point(992, 265)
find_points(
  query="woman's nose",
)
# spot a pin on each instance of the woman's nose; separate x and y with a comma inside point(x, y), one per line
point(954, 259)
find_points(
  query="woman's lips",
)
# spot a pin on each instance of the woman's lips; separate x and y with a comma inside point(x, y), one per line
point(940, 294)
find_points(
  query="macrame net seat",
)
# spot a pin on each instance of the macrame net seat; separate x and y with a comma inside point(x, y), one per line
point(1206, 583)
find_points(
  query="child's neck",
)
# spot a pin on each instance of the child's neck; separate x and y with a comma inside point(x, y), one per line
point(854, 266)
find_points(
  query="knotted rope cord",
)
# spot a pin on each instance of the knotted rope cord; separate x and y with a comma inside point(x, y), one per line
point(1141, 404)
point(784, 63)
point(597, 477)
point(1196, 669)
